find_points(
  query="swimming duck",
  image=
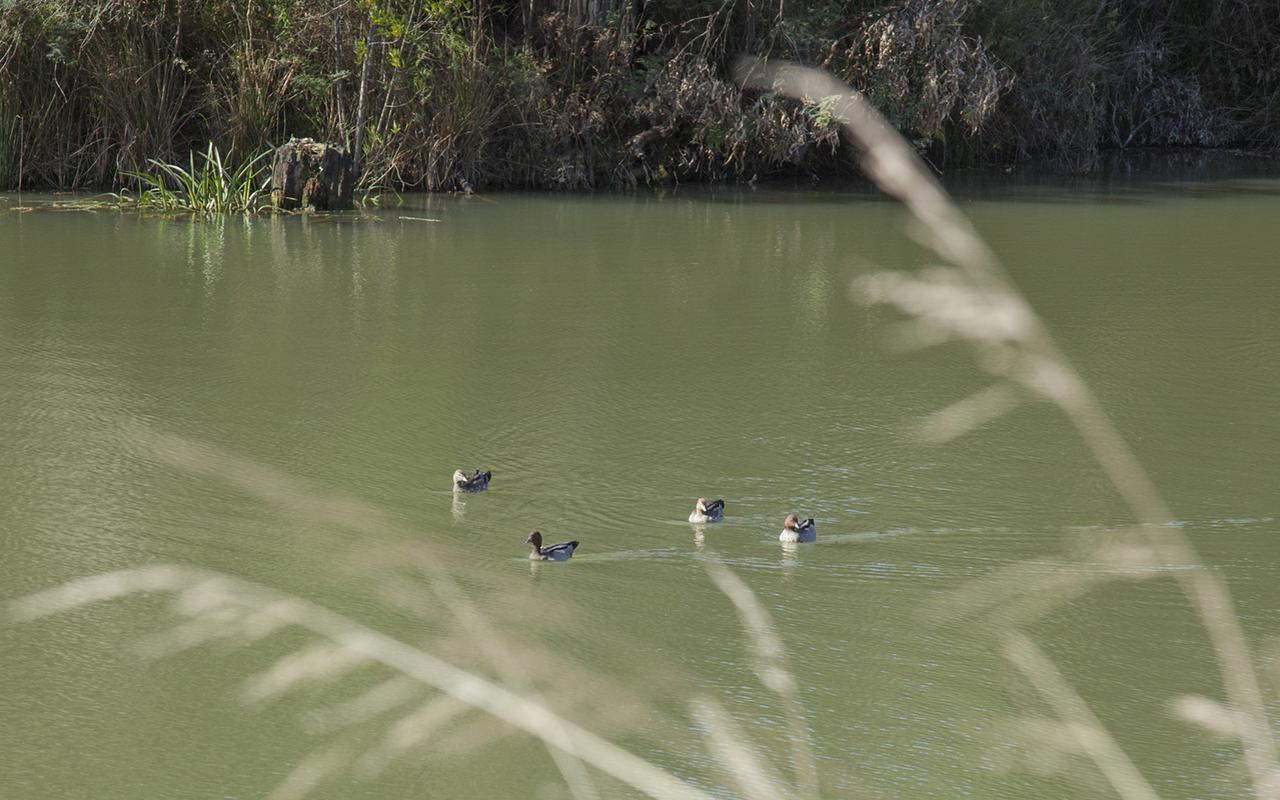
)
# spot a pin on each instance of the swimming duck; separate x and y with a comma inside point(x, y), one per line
point(793, 530)
point(475, 482)
point(554, 552)
point(707, 512)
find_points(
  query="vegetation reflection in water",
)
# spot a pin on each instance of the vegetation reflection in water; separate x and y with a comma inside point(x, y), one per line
point(971, 301)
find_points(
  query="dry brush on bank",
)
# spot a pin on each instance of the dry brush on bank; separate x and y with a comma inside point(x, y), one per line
point(457, 94)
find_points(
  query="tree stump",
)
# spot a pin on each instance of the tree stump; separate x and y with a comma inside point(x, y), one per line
point(310, 173)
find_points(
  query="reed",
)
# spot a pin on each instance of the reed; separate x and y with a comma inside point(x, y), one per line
point(419, 689)
point(971, 300)
point(205, 186)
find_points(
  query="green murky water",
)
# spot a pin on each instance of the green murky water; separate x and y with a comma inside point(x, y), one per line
point(611, 359)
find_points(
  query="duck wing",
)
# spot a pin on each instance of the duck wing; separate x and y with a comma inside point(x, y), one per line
point(561, 550)
point(715, 507)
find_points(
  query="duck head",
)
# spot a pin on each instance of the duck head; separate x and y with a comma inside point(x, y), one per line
point(459, 476)
point(701, 505)
point(535, 539)
point(791, 522)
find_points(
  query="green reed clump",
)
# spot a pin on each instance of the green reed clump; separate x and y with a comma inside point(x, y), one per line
point(204, 186)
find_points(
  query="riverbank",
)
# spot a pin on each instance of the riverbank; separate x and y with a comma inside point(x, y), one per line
point(615, 94)
point(1199, 172)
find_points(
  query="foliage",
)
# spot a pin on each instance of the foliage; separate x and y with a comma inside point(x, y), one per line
point(451, 94)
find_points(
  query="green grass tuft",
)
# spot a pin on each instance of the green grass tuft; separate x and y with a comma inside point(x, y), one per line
point(206, 186)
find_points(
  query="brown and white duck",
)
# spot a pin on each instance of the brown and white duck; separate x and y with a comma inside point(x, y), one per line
point(555, 552)
point(793, 530)
point(707, 512)
point(475, 482)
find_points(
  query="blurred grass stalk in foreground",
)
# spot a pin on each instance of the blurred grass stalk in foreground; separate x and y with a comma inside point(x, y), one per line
point(215, 607)
point(971, 300)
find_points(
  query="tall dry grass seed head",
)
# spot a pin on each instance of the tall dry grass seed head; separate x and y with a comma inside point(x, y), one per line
point(467, 688)
point(972, 300)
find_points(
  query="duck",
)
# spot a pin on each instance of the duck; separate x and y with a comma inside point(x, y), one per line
point(554, 552)
point(793, 530)
point(707, 512)
point(475, 482)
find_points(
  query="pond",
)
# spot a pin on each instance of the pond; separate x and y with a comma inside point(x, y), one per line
point(284, 400)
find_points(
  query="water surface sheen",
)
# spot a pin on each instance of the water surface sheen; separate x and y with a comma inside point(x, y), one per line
point(610, 359)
